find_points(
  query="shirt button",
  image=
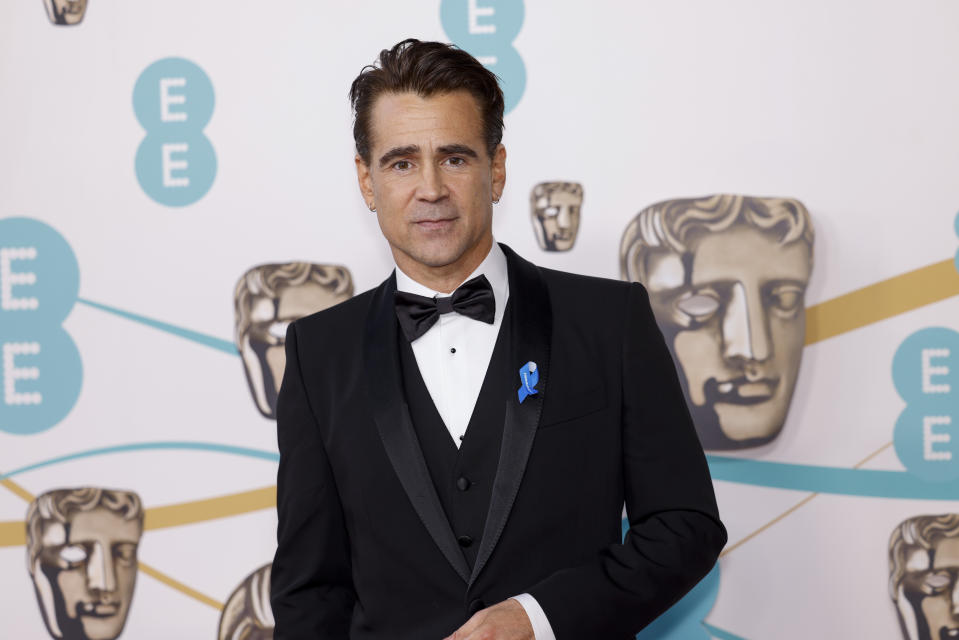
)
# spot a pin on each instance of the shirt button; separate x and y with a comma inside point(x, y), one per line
point(463, 484)
point(452, 349)
point(465, 541)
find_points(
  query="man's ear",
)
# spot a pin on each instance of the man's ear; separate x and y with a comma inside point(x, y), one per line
point(499, 171)
point(365, 180)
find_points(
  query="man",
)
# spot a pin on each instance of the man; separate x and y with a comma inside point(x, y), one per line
point(727, 277)
point(457, 444)
point(82, 556)
point(266, 299)
point(924, 576)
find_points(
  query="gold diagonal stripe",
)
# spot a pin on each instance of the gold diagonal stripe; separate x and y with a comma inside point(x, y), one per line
point(13, 534)
point(19, 491)
point(796, 507)
point(234, 504)
point(882, 300)
point(179, 586)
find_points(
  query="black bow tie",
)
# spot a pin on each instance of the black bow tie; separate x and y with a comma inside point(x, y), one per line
point(473, 299)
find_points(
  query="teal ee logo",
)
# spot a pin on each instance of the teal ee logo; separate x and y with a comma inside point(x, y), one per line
point(925, 371)
point(40, 368)
point(685, 619)
point(486, 29)
point(175, 163)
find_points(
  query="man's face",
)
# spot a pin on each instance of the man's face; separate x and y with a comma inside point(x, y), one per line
point(738, 327)
point(929, 591)
point(556, 208)
point(430, 178)
point(263, 345)
point(85, 574)
point(65, 11)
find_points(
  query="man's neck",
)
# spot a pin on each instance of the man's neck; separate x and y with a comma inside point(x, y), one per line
point(446, 278)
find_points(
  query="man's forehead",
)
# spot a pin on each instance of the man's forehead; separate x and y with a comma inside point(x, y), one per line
point(407, 119)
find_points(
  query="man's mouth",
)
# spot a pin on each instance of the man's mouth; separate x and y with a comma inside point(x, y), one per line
point(949, 634)
point(434, 223)
point(99, 609)
point(741, 391)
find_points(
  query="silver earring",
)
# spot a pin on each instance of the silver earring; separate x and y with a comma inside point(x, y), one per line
point(372, 208)
point(496, 201)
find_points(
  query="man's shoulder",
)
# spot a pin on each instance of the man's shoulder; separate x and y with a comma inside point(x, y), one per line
point(342, 319)
point(591, 292)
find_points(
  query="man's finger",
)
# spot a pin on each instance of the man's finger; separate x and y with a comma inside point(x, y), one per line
point(468, 627)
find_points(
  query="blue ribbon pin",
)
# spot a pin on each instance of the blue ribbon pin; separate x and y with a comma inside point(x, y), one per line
point(529, 376)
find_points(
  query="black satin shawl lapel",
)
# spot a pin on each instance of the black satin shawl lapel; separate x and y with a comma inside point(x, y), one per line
point(531, 333)
point(385, 390)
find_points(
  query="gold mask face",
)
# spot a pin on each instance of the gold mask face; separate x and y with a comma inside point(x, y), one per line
point(84, 570)
point(65, 12)
point(924, 566)
point(555, 209)
point(267, 299)
point(728, 294)
point(247, 614)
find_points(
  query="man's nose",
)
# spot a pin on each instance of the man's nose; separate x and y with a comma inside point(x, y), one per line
point(563, 219)
point(431, 187)
point(745, 334)
point(100, 570)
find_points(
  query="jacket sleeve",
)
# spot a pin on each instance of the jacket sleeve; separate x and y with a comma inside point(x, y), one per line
point(311, 586)
point(675, 534)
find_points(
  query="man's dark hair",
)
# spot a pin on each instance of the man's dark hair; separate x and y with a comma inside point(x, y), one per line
point(426, 68)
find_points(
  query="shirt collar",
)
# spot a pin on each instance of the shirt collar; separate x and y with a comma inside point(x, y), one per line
point(493, 267)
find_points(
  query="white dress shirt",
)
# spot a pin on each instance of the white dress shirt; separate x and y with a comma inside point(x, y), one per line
point(453, 357)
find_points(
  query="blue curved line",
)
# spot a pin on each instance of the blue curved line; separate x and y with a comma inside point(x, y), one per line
point(836, 480)
point(194, 336)
point(144, 446)
point(721, 634)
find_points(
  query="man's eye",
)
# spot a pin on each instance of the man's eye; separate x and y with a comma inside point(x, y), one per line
point(402, 165)
point(456, 161)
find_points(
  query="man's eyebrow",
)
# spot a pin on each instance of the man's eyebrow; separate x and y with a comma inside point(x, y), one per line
point(457, 149)
point(397, 152)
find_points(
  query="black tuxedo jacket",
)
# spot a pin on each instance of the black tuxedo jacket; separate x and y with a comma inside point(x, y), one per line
point(365, 549)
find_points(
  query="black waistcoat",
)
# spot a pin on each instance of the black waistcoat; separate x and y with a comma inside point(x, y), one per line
point(463, 476)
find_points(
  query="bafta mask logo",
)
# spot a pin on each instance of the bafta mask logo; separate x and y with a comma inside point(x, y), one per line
point(65, 12)
point(266, 300)
point(923, 572)
point(247, 614)
point(82, 556)
point(727, 277)
point(555, 208)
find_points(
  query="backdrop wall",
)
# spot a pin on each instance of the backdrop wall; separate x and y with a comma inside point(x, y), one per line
point(154, 155)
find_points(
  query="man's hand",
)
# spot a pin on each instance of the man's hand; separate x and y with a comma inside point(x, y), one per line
point(504, 621)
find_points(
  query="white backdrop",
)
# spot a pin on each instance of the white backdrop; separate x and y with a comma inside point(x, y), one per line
point(848, 106)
